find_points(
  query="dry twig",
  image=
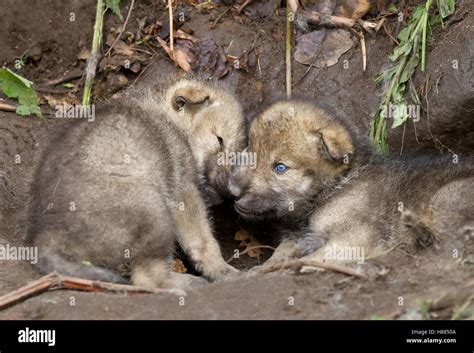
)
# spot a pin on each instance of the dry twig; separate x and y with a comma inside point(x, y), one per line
point(55, 281)
point(218, 18)
point(7, 107)
point(250, 249)
point(296, 265)
point(122, 29)
point(170, 12)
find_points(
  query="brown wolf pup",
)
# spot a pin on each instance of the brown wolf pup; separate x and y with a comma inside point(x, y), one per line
point(329, 190)
point(112, 196)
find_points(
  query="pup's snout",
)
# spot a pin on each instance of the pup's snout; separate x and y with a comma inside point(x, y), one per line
point(237, 184)
point(235, 190)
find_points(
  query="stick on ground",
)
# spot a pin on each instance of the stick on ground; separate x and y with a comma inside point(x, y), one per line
point(122, 30)
point(7, 107)
point(296, 265)
point(170, 14)
point(55, 281)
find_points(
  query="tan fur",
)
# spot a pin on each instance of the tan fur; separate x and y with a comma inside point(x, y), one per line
point(119, 192)
point(338, 194)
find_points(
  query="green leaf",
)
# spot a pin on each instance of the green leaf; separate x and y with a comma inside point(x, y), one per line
point(400, 50)
point(386, 75)
point(392, 8)
point(69, 85)
point(412, 63)
point(406, 57)
point(399, 115)
point(446, 7)
point(15, 86)
point(417, 14)
point(23, 110)
point(25, 82)
point(114, 5)
point(397, 94)
point(404, 35)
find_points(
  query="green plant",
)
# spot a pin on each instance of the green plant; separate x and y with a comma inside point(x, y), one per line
point(406, 57)
point(114, 5)
point(15, 86)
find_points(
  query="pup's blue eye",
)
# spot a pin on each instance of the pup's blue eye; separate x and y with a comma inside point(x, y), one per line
point(281, 168)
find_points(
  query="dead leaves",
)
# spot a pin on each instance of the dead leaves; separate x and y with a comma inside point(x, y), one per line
point(125, 57)
point(182, 54)
point(193, 55)
point(250, 245)
point(211, 58)
point(178, 266)
point(322, 48)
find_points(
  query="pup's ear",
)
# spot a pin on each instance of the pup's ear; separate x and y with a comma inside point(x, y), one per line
point(333, 140)
point(184, 97)
point(335, 143)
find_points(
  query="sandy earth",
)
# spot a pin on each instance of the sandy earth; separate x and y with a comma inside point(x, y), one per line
point(400, 284)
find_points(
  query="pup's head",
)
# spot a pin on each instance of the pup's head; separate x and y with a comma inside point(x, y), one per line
point(213, 121)
point(301, 151)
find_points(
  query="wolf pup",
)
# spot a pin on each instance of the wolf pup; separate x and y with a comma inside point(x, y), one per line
point(332, 193)
point(114, 195)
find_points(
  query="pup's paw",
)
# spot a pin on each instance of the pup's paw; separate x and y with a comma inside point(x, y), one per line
point(220, 271)
point(186, 281)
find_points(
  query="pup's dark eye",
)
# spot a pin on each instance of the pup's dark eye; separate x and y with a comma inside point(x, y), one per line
point(221, 141)
point(280, 168)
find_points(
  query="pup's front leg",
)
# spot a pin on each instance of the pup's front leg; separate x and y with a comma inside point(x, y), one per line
point(196, 238)
point(292, 247)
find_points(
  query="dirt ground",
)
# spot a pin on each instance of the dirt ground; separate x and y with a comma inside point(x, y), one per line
point(430, 284)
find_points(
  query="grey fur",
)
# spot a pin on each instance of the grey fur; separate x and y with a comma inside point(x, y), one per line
point(117, 193)
point(341, 193)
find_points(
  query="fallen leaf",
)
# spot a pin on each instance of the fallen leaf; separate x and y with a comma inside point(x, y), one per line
point(178, 266)
point(66, 99)
point(211, 58)
point(114, 5)
point(84, 54)
point(248, 242)
point(183, 35)
point(183, 55)
point(261, 9)
point(327, 45)
point(136, 68)
point(15, 86)
point(197, 55)
point(206, 5)
point(120, 47)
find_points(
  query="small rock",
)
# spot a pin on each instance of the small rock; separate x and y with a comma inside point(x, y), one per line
point(35, 53)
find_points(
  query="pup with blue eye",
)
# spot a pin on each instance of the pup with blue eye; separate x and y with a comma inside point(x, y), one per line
point(327, 191)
